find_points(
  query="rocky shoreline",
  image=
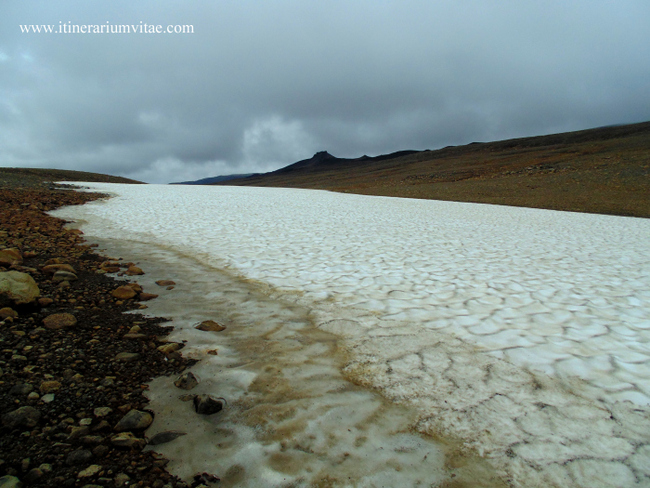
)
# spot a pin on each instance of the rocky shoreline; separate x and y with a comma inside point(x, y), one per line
point(73, 366)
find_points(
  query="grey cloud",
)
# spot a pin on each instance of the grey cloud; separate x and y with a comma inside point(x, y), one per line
point(262, 84)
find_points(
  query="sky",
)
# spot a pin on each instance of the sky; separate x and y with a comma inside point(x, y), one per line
point(261, 84)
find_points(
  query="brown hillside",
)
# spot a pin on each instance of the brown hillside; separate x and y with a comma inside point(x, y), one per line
point(38, 177)
point(605, 170)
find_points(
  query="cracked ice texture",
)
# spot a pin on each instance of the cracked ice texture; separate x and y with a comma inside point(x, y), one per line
point(534, 324)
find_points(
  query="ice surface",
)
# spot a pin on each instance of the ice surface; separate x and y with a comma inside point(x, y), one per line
point(521, 332)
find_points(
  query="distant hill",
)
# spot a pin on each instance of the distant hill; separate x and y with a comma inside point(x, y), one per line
point(603, 170)
point(215, 179)
point(39, 177)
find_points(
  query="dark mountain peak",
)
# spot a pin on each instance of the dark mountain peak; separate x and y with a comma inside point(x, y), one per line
point(322, 156)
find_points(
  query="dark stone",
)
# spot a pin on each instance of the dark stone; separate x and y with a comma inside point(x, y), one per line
point(80, 456)
point(165, 437)
point(186, 381)
point(22, 417)
point(22, 389)
point(207, 405)
point(134, 420)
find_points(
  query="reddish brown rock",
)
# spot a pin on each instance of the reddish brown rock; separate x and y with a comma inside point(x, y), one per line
point(53, 268)
point(210, 326)
point(50, 386)
point(123, 293)
point(165, 283)
point(8, 312)
point(44, 302)
point(10, 256)
point(147, 296)
point(134, 270)
point(59, 321)
point(135, 287)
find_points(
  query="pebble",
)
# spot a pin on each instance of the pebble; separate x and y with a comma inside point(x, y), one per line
point(125, 439)
point(64, 276)
point(49, 386)
point(207, 405)
point(169, 348)
point(91, 470)
point(102, 411)
point(127, 356)
point(165, 283)
point(123, 292)
point(59, 321)
point(134, 270)
point(134, 420)
point(186, 381)
point(22, 417)
point(210, 325)
point(79, 456)
point(165, 437)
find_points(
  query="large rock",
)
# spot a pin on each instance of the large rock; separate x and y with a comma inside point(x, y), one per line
point(18, 287)
point(22, 417)
point(59, 321)
point(10, 256)
point(134, 420)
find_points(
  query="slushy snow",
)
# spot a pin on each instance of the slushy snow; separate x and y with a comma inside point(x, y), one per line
point(521, 333)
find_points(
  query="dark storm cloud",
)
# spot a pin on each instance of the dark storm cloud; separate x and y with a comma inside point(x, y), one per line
point(262, 84)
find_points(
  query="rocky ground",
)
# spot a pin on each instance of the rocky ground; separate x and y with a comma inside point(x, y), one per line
point(73, 366)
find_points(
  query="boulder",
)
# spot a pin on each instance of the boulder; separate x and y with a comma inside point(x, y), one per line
point(59, 321)
point(18, 287)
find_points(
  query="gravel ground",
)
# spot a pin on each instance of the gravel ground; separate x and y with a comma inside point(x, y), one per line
point(72, 364)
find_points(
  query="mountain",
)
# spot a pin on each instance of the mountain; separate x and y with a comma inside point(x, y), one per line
point(215, 179)
point(602, 170)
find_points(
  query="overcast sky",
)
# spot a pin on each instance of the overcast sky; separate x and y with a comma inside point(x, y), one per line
point(262, 84)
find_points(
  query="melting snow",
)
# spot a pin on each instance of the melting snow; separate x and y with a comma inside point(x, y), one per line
point(522, 333)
